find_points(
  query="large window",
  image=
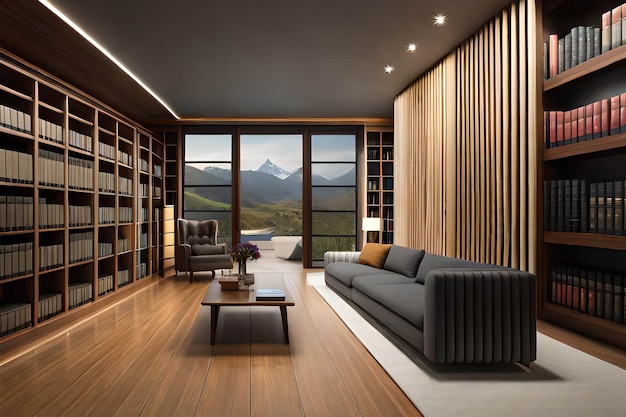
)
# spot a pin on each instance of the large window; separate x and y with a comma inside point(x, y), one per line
point(333, 194)
point(271, 185)
point(208, 180)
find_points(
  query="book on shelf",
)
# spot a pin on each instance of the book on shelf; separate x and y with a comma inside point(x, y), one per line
point(606, 32)
point(614, 115)
point(270, 294)
point(616, 27)
point(569, 54)
point(608, 202)
point(618, 210)
point(604, 117)
point(597, 119)
point(601, 207)
point(553, 54)
point(561, 57)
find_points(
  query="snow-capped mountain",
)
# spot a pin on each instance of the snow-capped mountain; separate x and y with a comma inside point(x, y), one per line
point(271, 168)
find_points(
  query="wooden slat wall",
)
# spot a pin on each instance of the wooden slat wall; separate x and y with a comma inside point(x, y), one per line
point(472, 166)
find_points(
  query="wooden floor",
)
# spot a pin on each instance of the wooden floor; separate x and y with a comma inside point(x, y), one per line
point(148, 353)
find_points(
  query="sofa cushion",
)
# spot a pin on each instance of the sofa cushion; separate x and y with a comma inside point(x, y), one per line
point(397, 293)
point(432, 262)
point(345, 271)
point(198, 249)
point(403, 260)
point(374, 254)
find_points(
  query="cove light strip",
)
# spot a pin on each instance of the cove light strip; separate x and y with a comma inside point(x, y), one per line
point(74, 26)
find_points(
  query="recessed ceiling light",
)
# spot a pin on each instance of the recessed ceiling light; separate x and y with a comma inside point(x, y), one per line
point(439, 20)
point(389, 69)
point(411, 47)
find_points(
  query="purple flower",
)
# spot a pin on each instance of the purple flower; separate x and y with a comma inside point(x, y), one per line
point(245, 251)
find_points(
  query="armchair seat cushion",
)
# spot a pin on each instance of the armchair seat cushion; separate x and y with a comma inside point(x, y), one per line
point(203, 249)
point(210, 262)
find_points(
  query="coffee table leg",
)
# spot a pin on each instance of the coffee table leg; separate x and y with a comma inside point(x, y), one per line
point(215, 311)
point(283, 313)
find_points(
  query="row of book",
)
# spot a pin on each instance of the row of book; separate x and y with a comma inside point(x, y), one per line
point(51, 168)
point(106, 151)
point(80, 215)
point(105, 284)
point(124, 158)
point(51, 256)
point(50, 304)
point(582, 43)
point(15, 119)
point(105, 249)
point(143, 215)
point(16, 213)
point(123, 277)
point(122, 245)
point(81, 246)
point(51, 131)
point(143, 240)
point(81, 141)
point(596, 292)
point(106, 182)
point(157, 170)
point(50, 215)
point(14, 317)
point(143, 165)
point(577, 205)
point(143, 190)
point(142, 270)
point(156, 191)
point(16, 167)
point(125, 186)
point(16, 259)
point(79, 293)
point(80, 173)
point(106, 215)
point(125, 214)
point(591, 121)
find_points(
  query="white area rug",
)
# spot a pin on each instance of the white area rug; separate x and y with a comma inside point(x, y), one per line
point(561, 382)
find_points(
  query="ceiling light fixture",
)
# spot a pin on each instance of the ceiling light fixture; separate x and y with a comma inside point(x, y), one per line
point(411, 47)
point(439, 19)
point(84, 34)
point(389, 69)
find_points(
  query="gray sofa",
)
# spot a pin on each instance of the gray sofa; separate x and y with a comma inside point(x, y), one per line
point(451, 310)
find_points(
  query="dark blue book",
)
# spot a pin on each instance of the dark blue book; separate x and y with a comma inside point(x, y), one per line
point(618, 207)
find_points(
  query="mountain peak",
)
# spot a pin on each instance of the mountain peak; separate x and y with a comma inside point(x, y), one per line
point(271, 168)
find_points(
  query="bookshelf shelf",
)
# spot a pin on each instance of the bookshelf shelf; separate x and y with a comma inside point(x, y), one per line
point(587, 68)
point(69, 177)
point(581, 273)
point(586, 148)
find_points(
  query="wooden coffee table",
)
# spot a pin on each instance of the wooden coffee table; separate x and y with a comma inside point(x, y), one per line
point(217, 298)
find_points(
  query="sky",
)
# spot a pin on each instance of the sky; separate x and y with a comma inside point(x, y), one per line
point(283, 150)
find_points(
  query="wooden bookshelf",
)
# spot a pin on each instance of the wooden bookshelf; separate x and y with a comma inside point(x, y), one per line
point(379, 153)
point(582, 276)
point(80, 199)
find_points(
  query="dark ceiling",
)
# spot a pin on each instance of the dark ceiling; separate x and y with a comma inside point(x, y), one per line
point(238, 59)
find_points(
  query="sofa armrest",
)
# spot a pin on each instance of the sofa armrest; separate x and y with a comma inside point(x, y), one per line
point(341, 256)
point(480, 316)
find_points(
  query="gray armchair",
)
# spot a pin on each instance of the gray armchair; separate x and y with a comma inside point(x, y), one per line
point(197, 248)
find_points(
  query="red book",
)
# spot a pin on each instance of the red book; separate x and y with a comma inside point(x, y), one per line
point(622, 113)
point(554, 55)
point(614, 119)
point(559, 128)
point(604, 117)
point(581, 124)
point(553, 129)
point(567, 127)
point(589, 121)
point(574, 113)
point(606, 31)
point(597, 119)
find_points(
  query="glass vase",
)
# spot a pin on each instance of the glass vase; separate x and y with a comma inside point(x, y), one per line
point(242, 267)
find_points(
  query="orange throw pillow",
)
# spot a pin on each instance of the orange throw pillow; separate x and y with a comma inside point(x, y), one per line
point(374, 254)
